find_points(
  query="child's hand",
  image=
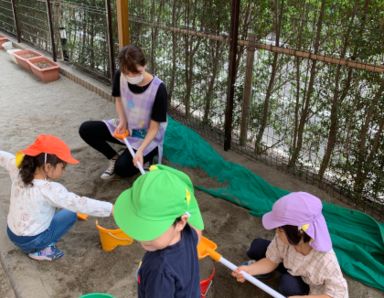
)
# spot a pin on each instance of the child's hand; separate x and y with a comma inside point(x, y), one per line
point(236, 274)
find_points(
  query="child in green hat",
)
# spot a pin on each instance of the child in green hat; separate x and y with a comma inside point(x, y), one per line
point(161, 212)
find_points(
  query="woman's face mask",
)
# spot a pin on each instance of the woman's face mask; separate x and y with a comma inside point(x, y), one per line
point(134, 80)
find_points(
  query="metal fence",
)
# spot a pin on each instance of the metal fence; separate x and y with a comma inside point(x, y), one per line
point(7, 17)
point(78, 33)
point(308, 76)
point(84, 32)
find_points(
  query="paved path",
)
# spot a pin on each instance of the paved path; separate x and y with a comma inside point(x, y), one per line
point(29, 107)
point(6, 290)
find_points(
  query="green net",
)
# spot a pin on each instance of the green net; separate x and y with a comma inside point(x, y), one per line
point(357, 238)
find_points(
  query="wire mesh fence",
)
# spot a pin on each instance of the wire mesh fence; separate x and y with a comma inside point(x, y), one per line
point(79, 29)
point(336, 138)
point(312, 89)
point(189, 51)
point(7, 17)
point(33, 21)
point(309, 75)
point(83, 28)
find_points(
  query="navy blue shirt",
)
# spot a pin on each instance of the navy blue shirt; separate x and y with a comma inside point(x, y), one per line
point(172, 271)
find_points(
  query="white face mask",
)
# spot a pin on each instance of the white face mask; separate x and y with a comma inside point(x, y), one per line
point(134, 80)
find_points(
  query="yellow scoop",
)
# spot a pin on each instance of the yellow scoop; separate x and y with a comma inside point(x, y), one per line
point(207, 248)
point(112, 238)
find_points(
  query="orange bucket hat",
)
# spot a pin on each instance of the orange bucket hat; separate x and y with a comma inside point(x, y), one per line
point(51, 145)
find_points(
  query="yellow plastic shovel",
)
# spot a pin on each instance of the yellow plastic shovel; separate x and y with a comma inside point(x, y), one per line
point(207, 247)
point(111, 238)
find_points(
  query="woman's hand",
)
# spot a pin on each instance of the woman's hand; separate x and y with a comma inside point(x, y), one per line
point(138, 158)
point(236, 274)
point(121, 128)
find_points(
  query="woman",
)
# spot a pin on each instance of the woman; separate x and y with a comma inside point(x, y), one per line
point(141, 106)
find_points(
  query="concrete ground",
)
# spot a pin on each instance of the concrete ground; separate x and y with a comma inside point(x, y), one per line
point(29, 107)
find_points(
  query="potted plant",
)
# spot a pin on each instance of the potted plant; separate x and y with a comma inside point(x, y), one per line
point(45, 69)
point(3, 39)
point(23, 56)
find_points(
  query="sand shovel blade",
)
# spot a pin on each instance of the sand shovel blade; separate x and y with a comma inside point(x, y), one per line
point(207, 248)
point(111, 238)
point(202, 246)
point(82, 216)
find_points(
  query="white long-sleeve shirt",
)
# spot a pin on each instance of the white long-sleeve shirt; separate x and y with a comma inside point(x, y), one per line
point(32, 208)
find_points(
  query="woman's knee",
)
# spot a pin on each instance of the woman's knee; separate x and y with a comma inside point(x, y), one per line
point(124, 167)
point(119, 167)
point(84, 129)
point(92, 128)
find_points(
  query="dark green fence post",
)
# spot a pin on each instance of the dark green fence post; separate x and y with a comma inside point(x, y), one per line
point(110, 39)
point(247, 92)
point(18, 35)
point(235, 9)
point(49, 13)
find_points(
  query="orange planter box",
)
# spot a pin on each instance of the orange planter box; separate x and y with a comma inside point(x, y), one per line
point(45, 69)
point(23, 56)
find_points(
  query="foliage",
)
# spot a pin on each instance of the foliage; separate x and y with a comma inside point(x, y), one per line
point(325, 118)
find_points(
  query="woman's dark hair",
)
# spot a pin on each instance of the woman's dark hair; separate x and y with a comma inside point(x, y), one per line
point(294, 235)
point(31, 163)
point(129, 57)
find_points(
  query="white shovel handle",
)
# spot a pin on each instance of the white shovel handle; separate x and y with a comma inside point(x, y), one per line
point(251, 279)
point(139, 165)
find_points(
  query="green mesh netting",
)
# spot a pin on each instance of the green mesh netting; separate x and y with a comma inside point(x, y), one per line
point(358, 239)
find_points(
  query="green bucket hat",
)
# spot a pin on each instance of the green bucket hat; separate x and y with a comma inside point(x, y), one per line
point(147, 209)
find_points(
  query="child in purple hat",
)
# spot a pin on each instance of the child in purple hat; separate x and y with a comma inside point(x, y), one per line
point(301, 250)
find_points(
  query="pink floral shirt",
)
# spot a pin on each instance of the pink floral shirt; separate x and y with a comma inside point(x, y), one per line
point(32, 207)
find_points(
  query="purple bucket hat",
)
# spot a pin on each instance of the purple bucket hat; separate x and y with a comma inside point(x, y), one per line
point(303, 210)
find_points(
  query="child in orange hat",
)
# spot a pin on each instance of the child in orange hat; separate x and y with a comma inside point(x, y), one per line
point(33, 223)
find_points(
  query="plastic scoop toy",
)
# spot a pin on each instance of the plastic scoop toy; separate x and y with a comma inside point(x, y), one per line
point(207, 247)
point(82, 216)
point(111, 238)
point(124, 137)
